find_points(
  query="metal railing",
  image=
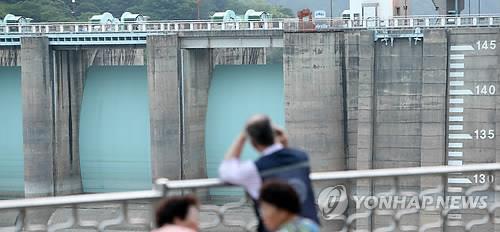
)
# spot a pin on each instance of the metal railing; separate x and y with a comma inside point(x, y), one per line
point(419, 182)
point(161, 26)
point(290, 24)
point(394, 23)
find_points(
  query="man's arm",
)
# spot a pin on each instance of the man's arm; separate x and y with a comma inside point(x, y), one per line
point(236, 148)
point(244, 173)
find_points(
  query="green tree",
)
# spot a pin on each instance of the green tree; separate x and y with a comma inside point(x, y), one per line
point(167, 9)
point(241, 6)
point(61, 10)
point(42, 10)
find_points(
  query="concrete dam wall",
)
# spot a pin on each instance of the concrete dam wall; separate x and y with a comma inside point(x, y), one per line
point(400, 103)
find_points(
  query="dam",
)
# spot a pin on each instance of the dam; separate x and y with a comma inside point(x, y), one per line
point(114, 117)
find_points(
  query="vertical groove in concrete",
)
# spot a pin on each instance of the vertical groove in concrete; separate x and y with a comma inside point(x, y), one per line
point(69, 74)
point(38, 120)
point(163, 81)
point(10, 56)
point(433, 101)
point(351, 57)
point(313, 101)
point(197, 64)
point(115, 56)
point(362, 65)
point(240, 56)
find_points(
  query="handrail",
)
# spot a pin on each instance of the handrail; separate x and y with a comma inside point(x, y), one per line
point(163, 185)
point(285, 24)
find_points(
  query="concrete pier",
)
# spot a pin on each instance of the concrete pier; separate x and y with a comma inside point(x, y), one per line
point(69, 77)
point(197, 75)
point(38, 116)
point(314, 97)
point(164, 87)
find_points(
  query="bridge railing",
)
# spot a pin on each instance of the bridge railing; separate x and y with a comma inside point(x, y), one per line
point(291, 24)
point(399, 199)
point(393, 23)
point(167, 26)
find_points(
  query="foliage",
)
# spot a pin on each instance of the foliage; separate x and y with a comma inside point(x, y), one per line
point(82, 10)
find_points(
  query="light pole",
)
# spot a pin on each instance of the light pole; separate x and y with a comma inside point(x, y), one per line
point(198, 5)
point(405, 7)
point(73, 8)
point(331, 8)
point(479, 7)
point(469, 7)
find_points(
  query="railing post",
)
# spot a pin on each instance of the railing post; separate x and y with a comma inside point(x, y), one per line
point(280, 25)
point(251, 26)
point(162, 27)
point(47, 29)
point(176, 26)
point(459, 21)
point(474, 21)
point(427, 22)
point(90, 28)
point(161, 186)
point(491, 21)
point(76, 27)
point(33, 29)
point(209, 26)
point(61, 28)
point(223, 27)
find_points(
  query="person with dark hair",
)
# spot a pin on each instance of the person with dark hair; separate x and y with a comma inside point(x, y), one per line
point(177, 214)
point(277, 161)
point(280, 208)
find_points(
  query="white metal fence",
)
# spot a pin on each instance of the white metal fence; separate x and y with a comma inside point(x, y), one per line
point(290, 24)
point(419, 182)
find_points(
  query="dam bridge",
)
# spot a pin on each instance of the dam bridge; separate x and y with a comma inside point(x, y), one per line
point(259, 34)
point(104, 108)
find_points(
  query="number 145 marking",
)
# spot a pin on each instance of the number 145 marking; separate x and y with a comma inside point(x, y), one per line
point(486, 45)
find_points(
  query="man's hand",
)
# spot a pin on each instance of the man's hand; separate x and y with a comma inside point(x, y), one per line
point(280, 136)
point(236, 148)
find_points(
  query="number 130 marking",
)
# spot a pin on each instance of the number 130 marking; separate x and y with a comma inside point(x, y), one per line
point(486, 44)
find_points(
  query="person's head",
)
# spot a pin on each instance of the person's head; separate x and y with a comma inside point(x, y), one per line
point(260, 131)
point(278, 203)
point(179, 210)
